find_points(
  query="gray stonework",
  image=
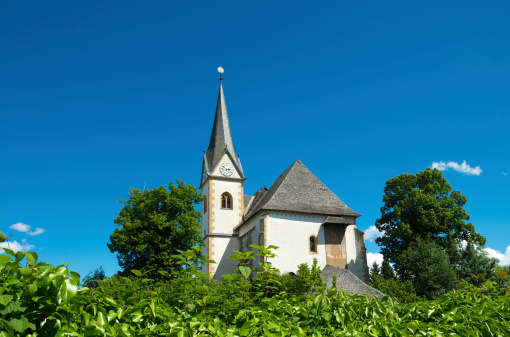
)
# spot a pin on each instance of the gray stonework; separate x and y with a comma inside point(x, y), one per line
point(361, 253)
point(347, 281)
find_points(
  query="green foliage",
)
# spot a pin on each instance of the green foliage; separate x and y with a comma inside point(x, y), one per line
point(400, 291)
point(375, 270)
point(386, 270)
point(185, 305)
point(37, 299)
point(93, 278)
point(422, 206)
point(3, 238)
point(428, 267)
point(471, 263)
point(503, 278)
point(308, 280)
point(155, 225)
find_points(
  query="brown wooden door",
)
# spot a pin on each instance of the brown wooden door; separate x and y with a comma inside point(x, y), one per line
point(336, 253)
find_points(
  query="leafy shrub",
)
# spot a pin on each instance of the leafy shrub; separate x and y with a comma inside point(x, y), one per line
point(37, 299)
point(400, 291)
point(308, 280)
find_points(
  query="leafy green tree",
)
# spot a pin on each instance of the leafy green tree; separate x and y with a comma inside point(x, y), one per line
point(93, 278)
point(427, 266)
point(422, 206)
point(386, 271)
point(375, 270)
point(154, 225)
point(503, 278)
point(471, 263)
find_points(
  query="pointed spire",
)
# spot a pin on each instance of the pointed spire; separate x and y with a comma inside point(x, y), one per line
point(221, 137)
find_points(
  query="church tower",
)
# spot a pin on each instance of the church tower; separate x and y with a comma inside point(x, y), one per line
point(222, 185)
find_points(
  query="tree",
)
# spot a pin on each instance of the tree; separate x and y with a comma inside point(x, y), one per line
point(155, 224)
point(375, 270)
point(471, 263)
point(422, 206)
point(386, 271)
point(427, 266)
point(91, 280)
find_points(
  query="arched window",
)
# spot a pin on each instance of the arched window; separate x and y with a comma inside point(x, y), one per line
point(226, 201)
point(313, 244)
point(204, 208)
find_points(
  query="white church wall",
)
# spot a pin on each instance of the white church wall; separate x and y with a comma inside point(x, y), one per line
point(291, 233)
point(223, 248)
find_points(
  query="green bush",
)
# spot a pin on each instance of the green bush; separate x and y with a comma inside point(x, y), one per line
point(37, 299)
point(400, 291)
point(308, 280)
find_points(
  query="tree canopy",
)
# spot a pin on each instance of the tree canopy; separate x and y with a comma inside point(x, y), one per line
point(155, 224)
point(93, 278)
point(423, 206)
point(428, 267)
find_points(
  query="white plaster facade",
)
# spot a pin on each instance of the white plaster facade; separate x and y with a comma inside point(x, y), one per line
point(290, 232)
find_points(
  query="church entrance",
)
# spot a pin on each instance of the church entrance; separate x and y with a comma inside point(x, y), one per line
point(336, 252)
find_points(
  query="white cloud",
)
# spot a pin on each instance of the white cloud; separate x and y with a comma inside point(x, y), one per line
point(504, 259)
point(36, 232)
point(21, 227)
point(16, 246)
point(371, 258)
point(504, 173)
point(372, 233)
point(463, 168)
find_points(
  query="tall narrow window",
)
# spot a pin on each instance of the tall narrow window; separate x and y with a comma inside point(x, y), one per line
point(226, 201)
point(205, 205)
point(313, 244)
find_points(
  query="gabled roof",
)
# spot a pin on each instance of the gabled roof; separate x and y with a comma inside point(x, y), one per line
point(299, 190)
point(221, 138)
point(255, 200)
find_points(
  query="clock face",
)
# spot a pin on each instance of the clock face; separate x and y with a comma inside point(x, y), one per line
point(226, 169)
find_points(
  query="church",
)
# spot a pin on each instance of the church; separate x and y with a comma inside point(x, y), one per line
point(298, 214)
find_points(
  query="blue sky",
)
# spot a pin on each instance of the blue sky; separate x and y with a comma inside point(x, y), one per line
point(97, 97)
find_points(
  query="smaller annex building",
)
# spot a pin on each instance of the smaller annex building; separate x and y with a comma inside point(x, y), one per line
point(298, 214)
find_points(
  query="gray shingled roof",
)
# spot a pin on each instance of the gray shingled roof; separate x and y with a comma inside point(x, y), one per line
point(299, 190)
point(347, 281)
point(255, 199)
point(247, 199)
point(221, 138)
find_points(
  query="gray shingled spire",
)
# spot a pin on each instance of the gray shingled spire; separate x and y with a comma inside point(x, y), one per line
point(221, 138)
point(299, 190)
